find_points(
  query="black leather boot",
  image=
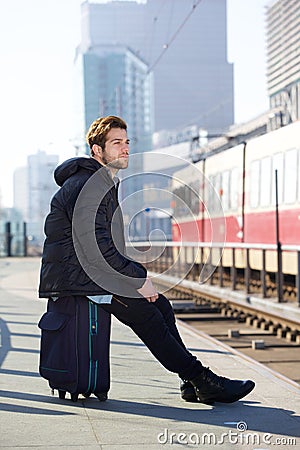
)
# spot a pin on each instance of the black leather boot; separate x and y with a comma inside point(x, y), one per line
point(188, 391)
point(210, 388)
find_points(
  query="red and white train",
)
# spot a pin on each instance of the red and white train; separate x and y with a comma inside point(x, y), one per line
point(231, 196)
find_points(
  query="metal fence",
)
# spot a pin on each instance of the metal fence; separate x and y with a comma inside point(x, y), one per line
point(13, 239)
point(213, 262)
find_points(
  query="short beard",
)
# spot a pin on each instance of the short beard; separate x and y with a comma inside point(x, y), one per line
point(116, 164)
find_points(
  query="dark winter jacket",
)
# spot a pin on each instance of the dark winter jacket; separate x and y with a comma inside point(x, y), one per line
point(84, 250)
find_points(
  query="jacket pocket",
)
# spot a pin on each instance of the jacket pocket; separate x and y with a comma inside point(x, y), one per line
point(58, 353)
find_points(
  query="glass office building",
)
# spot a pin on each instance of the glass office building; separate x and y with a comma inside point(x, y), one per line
point(112, 80)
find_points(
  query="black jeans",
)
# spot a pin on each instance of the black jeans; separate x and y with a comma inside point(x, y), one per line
point(154, 323)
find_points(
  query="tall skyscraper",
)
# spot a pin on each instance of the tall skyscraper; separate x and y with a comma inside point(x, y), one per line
point(183, 42)
point(114, 81)
point(283, 56)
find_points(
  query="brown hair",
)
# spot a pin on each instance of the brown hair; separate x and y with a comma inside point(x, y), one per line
point(100, 127)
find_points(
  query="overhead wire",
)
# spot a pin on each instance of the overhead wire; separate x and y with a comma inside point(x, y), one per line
point(150, 38)
point(166, 46)
point(168, 28)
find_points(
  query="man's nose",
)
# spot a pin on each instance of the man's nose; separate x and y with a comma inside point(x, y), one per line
point(125, 147)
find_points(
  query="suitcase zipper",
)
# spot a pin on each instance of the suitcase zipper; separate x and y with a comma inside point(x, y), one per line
point(93, 313)
point(77, 340)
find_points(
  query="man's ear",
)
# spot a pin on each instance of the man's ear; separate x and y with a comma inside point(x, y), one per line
point(97, 149)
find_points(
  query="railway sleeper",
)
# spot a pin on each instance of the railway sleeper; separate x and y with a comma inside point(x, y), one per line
point(250, 319)
point(226, 310)
point(282, 332)
point(229, 313)
point(235, 313)
point(255, 286)
point(242, 317)
point(274, 327)
point(200, 300)
point(239, 315)
point(258, 322)
point(266, 325)
point(293, 336)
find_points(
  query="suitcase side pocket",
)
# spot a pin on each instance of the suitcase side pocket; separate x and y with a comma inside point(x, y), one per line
point(58, 358)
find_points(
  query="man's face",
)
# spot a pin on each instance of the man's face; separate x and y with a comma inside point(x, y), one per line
point(116, 150)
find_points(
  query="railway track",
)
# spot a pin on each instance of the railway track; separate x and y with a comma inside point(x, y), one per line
point(269, 338)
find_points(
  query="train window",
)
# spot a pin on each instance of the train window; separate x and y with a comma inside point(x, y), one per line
point(212, 188)
point(254, 183)
point(224, 191)
point(195, 200)
point(234, 189)
point(265, 181)
point(180, 209)
point(186, 200)
point(277, 165)
point(290, 175)
point(187, 197)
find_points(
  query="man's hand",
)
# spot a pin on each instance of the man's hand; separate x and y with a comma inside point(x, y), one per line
point(148, 291)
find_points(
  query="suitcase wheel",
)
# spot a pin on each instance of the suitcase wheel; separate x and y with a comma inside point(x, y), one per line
point(74, 397)
point(62, 394)
point(102, 396)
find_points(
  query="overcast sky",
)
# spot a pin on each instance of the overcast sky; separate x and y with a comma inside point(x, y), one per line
point(38, 39)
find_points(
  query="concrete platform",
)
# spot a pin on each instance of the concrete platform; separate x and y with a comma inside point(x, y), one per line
point(144, 410)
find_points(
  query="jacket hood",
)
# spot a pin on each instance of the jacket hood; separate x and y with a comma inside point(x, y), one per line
point(73, 165)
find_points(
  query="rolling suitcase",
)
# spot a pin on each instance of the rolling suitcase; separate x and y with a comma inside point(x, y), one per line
point(74, 350)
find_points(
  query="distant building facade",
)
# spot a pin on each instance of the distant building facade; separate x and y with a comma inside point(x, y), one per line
point(187, 48)
point(283, 59)
point(34, 187)
point(20, 192)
